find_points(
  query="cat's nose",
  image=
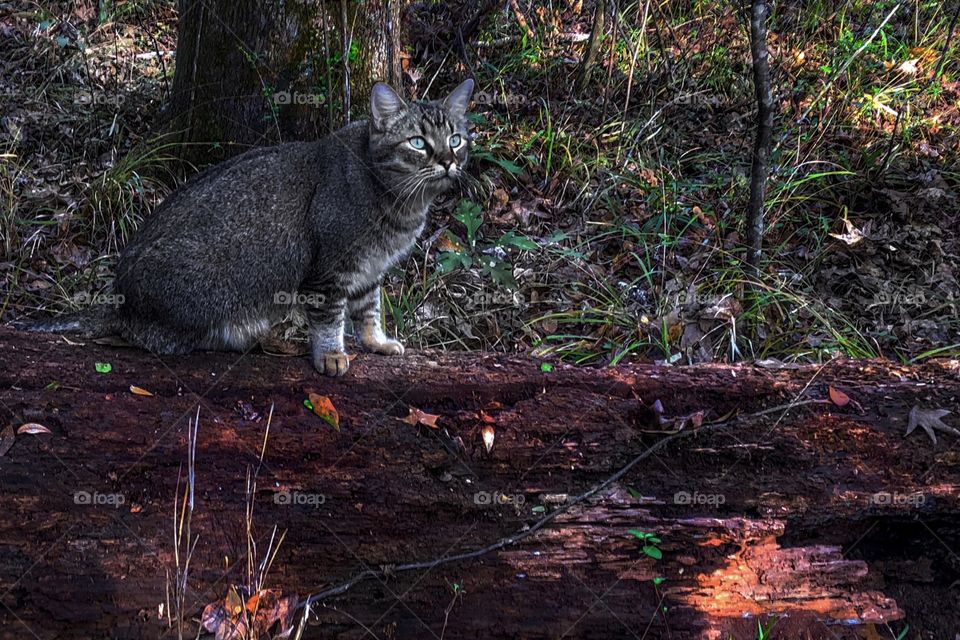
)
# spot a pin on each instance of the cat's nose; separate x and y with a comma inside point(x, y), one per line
point(450, 167)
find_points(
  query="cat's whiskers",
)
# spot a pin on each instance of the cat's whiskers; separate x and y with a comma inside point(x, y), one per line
point(418, 187)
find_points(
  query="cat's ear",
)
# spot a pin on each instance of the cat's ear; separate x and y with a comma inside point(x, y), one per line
point(384, 104)
point(458, 101)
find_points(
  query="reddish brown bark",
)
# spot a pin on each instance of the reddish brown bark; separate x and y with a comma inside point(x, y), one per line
point(803, 529)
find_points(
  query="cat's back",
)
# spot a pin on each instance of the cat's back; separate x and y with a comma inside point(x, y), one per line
point(262, 188)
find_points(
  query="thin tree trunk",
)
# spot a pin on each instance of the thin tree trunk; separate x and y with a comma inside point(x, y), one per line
point(761, 150)
point(593, 47)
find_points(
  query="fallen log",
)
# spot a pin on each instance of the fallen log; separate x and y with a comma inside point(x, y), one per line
point(774, 504)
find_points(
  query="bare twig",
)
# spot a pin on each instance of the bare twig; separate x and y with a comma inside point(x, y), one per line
point(347, 37)
point(522, 20)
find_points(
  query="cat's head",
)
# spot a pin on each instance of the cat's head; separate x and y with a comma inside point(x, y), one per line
point(419, 147)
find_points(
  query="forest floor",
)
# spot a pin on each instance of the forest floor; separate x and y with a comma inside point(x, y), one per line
point(609, 224)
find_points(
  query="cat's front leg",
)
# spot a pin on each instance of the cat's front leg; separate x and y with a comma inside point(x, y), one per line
point(365, 314)
point(325, 317)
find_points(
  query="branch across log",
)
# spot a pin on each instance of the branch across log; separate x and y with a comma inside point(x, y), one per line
point(822, 517)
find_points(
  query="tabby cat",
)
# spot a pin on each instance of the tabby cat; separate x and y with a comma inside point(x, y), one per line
point(314, 224)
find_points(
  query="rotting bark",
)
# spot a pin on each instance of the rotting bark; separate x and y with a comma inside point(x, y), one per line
point(822, 514)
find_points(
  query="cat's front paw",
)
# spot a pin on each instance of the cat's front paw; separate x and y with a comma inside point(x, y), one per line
point(334, 363)
point(385, 346)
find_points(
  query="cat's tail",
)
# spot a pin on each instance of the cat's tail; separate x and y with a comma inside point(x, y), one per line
point(89, 322)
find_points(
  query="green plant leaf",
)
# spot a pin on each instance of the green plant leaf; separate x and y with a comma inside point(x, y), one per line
point(103, 367)
point(546, 367)
point(499, 271)
point(652, 551)
point(511, 239)
point(470, 215)
point(450, 261)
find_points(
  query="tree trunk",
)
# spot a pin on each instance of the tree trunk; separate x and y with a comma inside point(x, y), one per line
point(253, 73)
point(762, 141)
point(593, 46)
point(823, 516)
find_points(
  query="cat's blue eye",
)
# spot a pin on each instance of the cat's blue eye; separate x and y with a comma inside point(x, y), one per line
point(418, 143)
point(455, 141)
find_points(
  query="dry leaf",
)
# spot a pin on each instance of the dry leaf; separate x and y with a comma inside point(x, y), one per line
point(838, 397)
point(930, 420)
point(138, 391)
point(488, 435)
point(416, 417)
point(323, 407)
point(7, 438)
point(852, 235)
point(231, 619)
point(33, 428)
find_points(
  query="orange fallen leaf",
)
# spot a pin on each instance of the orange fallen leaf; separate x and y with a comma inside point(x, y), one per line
point(446, 243)
point(486, 418)
point(139, 391)
point(416, 417)
point(323, 407)
point(33, 428)
point(838, 397)
point(267, 610)
point(488, 435)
